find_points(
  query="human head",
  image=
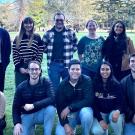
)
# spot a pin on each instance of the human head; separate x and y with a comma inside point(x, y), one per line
point(59, 19)
point(74, 69)
point(91, 25)
point(118, 28)
point(132, 63)
point(105, 70)
point(34, 69)
point(27, 25)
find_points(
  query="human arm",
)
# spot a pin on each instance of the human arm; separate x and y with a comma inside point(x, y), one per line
point(2, 105)
point(40, 48)
point(50, 95)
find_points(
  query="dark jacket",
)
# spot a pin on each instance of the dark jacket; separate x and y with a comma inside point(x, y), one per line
point(41, 95)
point(128, 85)
point(107, 98)
point(74, 97)
point(5, 47)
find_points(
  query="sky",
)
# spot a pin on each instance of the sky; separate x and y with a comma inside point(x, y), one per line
point(4, 1)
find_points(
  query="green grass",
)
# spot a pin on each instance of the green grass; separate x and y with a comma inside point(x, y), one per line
point(10, 87)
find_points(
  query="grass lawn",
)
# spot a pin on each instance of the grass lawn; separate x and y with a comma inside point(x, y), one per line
point(10, 87)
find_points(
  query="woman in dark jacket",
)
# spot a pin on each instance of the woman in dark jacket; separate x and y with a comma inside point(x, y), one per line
point(108, 102)
point(117, 48)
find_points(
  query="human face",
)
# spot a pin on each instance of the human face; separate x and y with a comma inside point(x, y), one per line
point(34, 71)
point(118, 28)
point(59, 22)
point(28, 26)
point(92, 26)
point(132, 64)
point(105, 71)
point(75, 71)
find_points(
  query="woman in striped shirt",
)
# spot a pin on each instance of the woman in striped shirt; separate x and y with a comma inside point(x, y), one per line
point(27, 46)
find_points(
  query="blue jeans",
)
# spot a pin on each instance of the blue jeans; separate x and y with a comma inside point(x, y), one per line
point(56, 71)
point(129, 129)
point(116, 126)
point(45, 116)
point(83, 117)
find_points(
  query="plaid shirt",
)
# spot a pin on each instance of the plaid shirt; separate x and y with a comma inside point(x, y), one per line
point(70, 44)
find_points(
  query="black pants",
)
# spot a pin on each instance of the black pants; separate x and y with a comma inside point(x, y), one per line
point(2, 78)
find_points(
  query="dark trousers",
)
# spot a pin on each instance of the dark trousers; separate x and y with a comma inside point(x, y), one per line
point(19, 77)
point(2, 78)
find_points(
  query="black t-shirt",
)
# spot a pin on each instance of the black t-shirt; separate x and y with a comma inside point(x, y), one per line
point(58, 45)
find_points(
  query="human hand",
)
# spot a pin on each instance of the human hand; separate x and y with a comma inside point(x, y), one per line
point(115, 115)
point(28, 107)
point(133, 120)
point(18, 129)
point(23, 70)
point(103, 124)
point(64, 113)
point(68, 129)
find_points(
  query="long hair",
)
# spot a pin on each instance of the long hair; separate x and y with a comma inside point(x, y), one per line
point(22, 31)
point(123, 34)
point(98, 81)
point(121, 38)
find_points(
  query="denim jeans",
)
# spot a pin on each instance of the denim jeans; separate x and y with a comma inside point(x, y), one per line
point(83, 117)
point(116, 126)
point(129, 129)
point(45, 116)
point(56, 72)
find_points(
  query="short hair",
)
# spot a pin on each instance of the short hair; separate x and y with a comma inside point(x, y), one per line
point(59, 13)
point(35, 62)
point(73, 62)
point(91, 21)
point(132, 55)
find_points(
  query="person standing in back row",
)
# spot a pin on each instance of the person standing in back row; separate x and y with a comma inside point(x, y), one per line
point(60, 43)
point(5, 51)
point(27, 46)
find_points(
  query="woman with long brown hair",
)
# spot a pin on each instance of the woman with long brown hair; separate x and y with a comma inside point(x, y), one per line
point(27, 46)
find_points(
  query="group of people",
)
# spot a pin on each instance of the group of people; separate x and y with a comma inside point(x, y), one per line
point(95, 91)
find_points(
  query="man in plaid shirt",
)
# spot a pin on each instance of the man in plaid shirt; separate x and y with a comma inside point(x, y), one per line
point(60, 43)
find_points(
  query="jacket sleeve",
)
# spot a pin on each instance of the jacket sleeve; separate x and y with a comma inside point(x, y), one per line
point(88, 97)
point(96, 111)
point(45, 41)
point(129, 113)
point(120, 98)
point(16, 55)
point(16, 107)
point(50, 96)
point(40, 49)
point(60, 103)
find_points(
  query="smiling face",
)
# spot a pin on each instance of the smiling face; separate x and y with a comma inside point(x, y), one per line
point(91, 26)
point(105, 71)
point(74, 71)
point(132, 64)
point(59, 21)
point(34, 71)
point(118, 28)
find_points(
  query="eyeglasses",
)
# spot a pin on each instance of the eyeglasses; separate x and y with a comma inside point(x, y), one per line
point(59, 20)
point(34, 69)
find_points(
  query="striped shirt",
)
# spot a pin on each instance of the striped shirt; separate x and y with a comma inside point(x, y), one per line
point(25, 53)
